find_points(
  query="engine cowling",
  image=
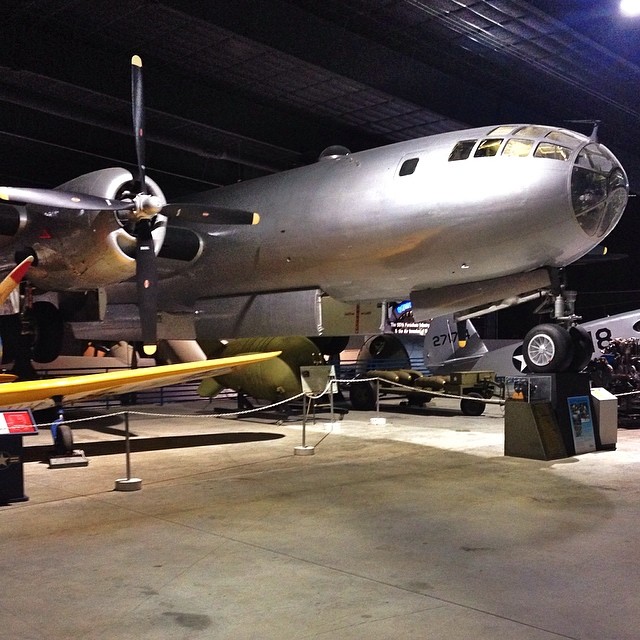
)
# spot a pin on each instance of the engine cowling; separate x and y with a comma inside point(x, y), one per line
point(77, 250)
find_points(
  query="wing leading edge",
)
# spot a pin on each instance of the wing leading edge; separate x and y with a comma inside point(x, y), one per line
point(40, 394)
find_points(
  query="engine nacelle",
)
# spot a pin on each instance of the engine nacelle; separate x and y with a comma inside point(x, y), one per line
point(80, 250)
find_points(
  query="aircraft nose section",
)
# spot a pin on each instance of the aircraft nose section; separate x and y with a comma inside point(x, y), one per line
point(599, 190)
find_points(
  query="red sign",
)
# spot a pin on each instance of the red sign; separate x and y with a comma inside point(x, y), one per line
point(17, 423)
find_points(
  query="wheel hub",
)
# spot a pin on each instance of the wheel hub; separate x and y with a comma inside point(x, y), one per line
point(541, 350)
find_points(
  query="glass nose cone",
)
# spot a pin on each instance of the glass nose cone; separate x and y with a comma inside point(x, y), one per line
point(599, 190)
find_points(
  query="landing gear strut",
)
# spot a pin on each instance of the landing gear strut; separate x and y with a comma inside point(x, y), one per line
point(37, 336)
point(555, 348)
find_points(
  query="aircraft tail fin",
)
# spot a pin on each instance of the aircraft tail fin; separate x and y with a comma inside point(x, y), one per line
point(447, 349)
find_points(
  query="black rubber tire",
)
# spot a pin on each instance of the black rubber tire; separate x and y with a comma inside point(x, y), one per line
point(64, 439)
point(49, 331)
point(582, 349)
point(548, 348)
point(472, 407)
point(418, 399)
point(362, 396)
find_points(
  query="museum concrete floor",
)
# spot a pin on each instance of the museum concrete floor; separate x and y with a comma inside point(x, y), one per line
point(420, 528)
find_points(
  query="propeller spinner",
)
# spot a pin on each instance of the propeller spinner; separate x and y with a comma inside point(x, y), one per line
point(143, 210)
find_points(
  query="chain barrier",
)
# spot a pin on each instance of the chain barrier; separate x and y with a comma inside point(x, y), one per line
point(436, 394)
point(232, 414)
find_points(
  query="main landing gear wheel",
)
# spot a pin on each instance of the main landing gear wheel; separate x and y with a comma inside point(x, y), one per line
point(548, 348)
point(48, 331)
point(63, 439)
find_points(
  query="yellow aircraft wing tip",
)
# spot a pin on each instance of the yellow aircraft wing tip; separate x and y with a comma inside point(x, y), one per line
point(39, 393)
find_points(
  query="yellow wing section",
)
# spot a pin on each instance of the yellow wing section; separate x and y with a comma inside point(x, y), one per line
point(40, 394)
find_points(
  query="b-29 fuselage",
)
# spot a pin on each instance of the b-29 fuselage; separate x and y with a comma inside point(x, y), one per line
point(423, 218)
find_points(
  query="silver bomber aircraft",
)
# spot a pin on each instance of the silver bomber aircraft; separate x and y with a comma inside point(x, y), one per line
point(464, 222)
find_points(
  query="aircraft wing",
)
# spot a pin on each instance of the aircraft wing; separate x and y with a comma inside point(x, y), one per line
point(40, 394)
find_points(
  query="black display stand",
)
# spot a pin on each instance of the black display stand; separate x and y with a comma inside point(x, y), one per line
point(543, 430)
point(11, 470)
point(13, 425)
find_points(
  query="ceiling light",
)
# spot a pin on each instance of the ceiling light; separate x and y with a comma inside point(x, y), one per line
point(630, 8)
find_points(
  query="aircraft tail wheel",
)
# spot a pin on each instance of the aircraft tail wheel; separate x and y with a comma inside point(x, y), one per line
point(548, 348)
point(582, 348)
point(473, 407)
point(64, 439)
point(362, 396)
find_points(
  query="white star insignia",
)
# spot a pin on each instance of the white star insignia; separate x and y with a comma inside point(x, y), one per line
point(518, 361)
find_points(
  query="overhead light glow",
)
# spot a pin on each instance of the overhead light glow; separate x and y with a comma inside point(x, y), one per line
point(630, 8)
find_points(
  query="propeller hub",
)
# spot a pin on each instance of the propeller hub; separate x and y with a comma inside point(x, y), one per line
point(147, 206)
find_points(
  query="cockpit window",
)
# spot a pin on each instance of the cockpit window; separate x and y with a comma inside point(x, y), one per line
point(408, 167)
point(488, 148)
point(564, 138)
point(599, 190)
point(502, 130)
point(517, 147)
point(552, 151)
point(531, 131)
point(592, 158)
point(462, 150)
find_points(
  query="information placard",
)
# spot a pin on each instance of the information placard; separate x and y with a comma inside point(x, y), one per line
point(581, 424)
point(17, 423)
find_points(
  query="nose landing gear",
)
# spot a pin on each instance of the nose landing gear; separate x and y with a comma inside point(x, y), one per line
point(551, 348)
point(556, 348)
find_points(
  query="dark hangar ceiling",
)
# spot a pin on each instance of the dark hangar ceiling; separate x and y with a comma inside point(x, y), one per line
point(236, 89)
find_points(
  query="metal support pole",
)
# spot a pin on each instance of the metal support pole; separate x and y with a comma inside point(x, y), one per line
point(127, 445)
point(128, 483)
point(303, 449)
point(378, 421)
point(304, 421)
point(332, 382)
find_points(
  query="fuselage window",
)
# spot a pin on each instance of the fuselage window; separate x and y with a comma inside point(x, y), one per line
point(502, 130)
point(564, 138)
point(462, 150)
point(517, 147)
point(408, 167)
point(531, 131)
point(488, 148)
point(552, 151)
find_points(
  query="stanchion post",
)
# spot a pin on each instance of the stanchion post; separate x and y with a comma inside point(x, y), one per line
point(332, 382)
point(378, 421)
point(303, 449)
point(128, 483)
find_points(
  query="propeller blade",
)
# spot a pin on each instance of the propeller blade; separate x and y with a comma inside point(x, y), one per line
point(210, 214)
point(61, 199)
point(137, 110)
point(147, 284)
point(11, 281)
